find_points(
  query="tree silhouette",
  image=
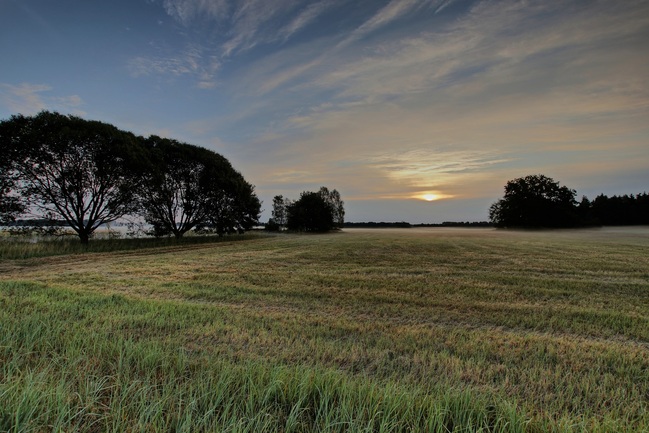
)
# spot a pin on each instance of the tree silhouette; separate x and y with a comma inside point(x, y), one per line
point(11, 204)
point(336, 204)
point(279, 213)
point(72, 169)
point(535, 201)
point(311, 213)
point(188, 187)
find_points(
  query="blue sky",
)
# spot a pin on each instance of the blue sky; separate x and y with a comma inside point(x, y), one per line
point(388, 101)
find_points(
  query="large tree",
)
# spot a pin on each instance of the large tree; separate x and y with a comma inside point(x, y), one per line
point(233, 206)
point(535, 201)
point(189, 187)
point(72, 169)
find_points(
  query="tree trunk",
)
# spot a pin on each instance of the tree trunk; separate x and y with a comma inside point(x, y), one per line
point(84, 237)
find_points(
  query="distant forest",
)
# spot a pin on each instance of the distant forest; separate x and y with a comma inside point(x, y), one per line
point(407, 225)
point(623, 210)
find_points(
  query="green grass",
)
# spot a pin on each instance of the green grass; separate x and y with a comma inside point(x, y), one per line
point(366, 330)
point(22, 247)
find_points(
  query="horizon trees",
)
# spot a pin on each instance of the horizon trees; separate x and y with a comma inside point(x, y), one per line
point(539, 201)
point(319, 211)
point(535, 201)
point(90, 173)
point(279, 215)
point(310, 213)
point(332, 198)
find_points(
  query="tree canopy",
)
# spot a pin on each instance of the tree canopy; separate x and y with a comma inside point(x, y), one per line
point(89, 173)
point(335, 203)
point(310, 213)
point(279, 216)
point(72, 169)
point(535, 201)
point(189, 187)
point(11, 204)
point(319, 211)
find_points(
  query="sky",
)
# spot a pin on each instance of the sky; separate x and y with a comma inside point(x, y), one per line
point(414, 110)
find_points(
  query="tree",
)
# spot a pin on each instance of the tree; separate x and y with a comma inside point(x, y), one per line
point(311, 213)
point(627, 209)
point(535, 201)
point(279, 215)
point(337, 205)
point(233, 206)
point(72, 169)
point(11, 204)
point(188, 187)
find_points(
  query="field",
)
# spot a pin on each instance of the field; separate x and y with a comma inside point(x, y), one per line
point(441, 330)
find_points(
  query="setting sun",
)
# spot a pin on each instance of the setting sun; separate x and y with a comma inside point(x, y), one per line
point(430, 197)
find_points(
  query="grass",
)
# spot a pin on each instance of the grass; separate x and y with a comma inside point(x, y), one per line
point(25, 247)
point(360, 331)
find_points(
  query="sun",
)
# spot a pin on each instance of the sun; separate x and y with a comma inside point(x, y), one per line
point(430, 197)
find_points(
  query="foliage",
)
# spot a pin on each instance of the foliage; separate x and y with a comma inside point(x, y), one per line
point(535, 201)
point(73, 169)
point(332, 198)
point(279, 214)
point(170, 195)
point(622, 210)
point(233, 206)
point(89, 173)
point(314, 212)
point(188, 187)
point(311, 213)
point(11, 204)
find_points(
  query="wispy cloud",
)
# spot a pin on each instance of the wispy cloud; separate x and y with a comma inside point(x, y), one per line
point(390, 12)
point(503, 90)
point(186, 11)
point(193, 62)
point(306, 17)
point(455, 106)
point(28, 99)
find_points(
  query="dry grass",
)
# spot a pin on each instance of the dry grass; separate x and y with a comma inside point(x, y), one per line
point(554, 324)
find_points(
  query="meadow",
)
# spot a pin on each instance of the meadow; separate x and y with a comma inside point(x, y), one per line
point(408, 330)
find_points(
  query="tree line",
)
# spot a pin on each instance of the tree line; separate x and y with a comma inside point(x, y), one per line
point(540, 201)
point(314, 211)
point(89, 173)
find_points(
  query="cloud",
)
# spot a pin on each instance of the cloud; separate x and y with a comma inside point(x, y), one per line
point(25, 98)
point(186, 11)
point(28, 99)
point(389, 13)
point(306, 17)
point(254, 22)
point(457, 106)
point(503, 91)
point(191, 62)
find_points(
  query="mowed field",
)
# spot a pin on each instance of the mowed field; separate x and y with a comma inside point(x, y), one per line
point(446, 330)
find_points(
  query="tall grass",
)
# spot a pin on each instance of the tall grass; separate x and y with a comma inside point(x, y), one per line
point(439, 330)
point(58, 376)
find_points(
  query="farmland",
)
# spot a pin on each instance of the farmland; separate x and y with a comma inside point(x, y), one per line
point(361, 330)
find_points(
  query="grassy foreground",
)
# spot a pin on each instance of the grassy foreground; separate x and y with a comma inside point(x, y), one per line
point(441, 330)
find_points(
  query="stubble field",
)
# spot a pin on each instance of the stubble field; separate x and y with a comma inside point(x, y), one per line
point(359, 331)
